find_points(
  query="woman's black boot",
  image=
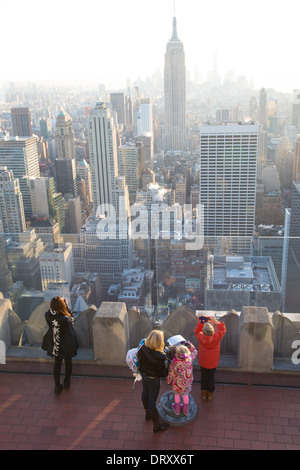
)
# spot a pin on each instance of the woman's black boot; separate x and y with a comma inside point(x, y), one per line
point(157, 424)
point(66, 384)
point(58, 389)
point(145, 405)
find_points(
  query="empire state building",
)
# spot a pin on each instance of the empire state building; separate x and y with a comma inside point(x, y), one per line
point(175, 93)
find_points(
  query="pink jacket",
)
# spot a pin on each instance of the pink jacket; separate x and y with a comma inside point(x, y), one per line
point(180, 375)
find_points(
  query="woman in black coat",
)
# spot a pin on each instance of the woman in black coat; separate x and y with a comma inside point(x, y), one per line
point(61, 342)
point(153, 364)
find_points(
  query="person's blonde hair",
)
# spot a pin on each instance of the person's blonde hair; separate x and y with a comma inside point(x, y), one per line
point(155, 340)
point(182, 351)
point(208, 329)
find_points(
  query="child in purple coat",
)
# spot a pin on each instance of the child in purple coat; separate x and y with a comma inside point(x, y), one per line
point(180, 376)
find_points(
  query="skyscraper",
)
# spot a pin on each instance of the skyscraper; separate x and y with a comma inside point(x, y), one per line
point(45, 128)
point(23, 259)
point(103, 156)
point(292, 298)
point(262, 115)
point(45, 201)
point(147, 142)
point(295, 220)
point(65, 176)
point(118, 104)
point(175, 93)
point(83, 170)
point(21, 122)
point(11, 203)
point(65, 136)
point(72, 214)
point(6, 280)
point(296, 169)
point(128, 160)
point(228, 161)
point(20, 154)
point(144, 117)
point(296, 109)
point(109, 227)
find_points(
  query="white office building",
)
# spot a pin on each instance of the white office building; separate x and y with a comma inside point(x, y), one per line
point(57, 265)
point(145, 117)
point(103, 156)
point(128, 160)
point(228, 167)
point(11, 203)
point(39, 188)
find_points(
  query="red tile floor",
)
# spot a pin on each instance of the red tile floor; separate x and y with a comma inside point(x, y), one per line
point(105, 413)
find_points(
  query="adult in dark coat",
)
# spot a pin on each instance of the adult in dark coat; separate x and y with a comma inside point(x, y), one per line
point(61, 341)
point(153, 364)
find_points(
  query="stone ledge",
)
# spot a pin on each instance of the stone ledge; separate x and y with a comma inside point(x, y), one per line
point(285, 364)
point(35, 361)
point(227, 362)
point(31, 353)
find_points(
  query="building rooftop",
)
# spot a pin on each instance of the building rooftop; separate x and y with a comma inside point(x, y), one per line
point(256, 272)
point(102, 413)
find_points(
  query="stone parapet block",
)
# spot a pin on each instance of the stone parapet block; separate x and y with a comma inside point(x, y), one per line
point(5, 324)
point(111, 333)
point(256, 339)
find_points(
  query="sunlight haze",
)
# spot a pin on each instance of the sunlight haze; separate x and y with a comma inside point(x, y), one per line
point(115, 41)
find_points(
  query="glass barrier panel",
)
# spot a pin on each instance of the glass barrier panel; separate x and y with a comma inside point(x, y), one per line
point(252, 284)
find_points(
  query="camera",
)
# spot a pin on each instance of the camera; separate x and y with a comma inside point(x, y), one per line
point(203, 319)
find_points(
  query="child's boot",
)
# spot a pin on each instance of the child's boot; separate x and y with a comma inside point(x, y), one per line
point(176, 408)
point(203, 395)
point(185, 409)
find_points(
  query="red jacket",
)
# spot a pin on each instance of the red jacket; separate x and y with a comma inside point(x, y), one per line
point(209, 346)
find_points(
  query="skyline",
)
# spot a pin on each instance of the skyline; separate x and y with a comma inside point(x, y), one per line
point(63, 42)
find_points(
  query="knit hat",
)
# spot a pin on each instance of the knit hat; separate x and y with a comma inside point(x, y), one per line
point(208, 329)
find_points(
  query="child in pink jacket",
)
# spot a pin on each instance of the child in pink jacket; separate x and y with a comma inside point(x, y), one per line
point(180, 375)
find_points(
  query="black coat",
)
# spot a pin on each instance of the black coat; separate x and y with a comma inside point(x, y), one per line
point(152, 363)
point(61, 341)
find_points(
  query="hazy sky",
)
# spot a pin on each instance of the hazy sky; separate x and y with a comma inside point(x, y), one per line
point(112, 40)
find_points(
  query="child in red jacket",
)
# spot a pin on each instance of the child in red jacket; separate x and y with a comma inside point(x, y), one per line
point(208, 353)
